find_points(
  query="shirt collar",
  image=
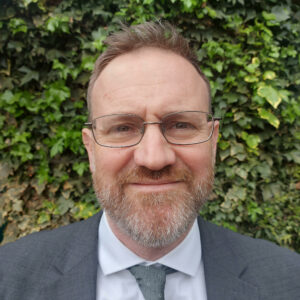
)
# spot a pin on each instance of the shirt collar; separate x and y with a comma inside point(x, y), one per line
point(113, 256)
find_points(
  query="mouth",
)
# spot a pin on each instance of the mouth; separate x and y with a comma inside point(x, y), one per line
point(155, 186)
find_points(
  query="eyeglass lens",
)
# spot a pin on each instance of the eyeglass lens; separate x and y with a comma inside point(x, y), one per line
point(181, 128)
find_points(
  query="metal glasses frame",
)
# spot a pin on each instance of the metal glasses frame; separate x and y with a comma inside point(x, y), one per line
point(160, 123)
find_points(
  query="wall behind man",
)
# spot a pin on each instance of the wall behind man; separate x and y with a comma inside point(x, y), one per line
point(248, 49)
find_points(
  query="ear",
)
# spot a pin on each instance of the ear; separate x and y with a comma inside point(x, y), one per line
point(214, 137)
point(89, 144)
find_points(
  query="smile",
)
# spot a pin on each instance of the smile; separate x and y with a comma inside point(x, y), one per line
point(155, 186)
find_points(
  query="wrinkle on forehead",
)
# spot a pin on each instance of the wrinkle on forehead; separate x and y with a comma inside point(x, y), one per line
point(148, 73)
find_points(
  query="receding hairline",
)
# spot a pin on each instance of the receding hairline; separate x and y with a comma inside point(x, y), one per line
point(160, 35)
point(143, 51)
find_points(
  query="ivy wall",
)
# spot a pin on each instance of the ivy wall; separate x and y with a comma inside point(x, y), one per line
point(249, 50)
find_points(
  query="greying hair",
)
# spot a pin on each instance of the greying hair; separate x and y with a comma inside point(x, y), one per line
point(149, 34)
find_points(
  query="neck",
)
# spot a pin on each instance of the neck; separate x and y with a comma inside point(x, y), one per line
point(148, 253)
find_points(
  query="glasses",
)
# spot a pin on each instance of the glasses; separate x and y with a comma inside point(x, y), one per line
point(178, 128)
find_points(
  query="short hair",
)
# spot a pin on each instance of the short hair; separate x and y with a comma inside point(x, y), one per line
point(156, 34)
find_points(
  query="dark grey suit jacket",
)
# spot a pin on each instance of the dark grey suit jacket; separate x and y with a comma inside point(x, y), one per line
point(62, 265)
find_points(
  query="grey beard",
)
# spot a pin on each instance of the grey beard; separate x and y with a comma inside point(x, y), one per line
point(150, 232)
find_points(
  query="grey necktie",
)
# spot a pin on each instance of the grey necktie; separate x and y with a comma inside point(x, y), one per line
point(151, 280)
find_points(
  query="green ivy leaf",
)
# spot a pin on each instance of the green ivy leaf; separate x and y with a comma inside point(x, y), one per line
point(236, 193)
point(251, 78)
point(211, 12)
point(236, 148)
point(17, 25)
point(268, 16)
point(270, 94)
point(84, 210)
point(88, 62)
point(58, 23)
point(219, 66)
point(265, 170)
point(58, 147)
point(242, 173)
point(63, 205)
point(267, 115)
point(43, 217)
point(251, 140)
point(251, 68)
point(281, 13)
point(254, 210)
point(80, 168)
point(223, 144)
point(270, 75)
point(29, 75)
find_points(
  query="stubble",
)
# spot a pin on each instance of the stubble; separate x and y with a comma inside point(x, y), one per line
point(158, 219)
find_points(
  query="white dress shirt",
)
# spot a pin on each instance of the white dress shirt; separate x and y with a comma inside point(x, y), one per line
point(115, 282)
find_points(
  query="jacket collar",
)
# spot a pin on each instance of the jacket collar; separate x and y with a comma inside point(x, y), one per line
point(75, 267)
point(223, 267)
point(73, 273)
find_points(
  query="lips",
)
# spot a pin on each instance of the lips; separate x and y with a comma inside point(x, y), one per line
point(154, 186)
point(155, 182)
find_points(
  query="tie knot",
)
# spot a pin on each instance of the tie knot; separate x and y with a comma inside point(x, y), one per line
point(151, 280)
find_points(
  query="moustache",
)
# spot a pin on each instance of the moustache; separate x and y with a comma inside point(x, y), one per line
point(168, 173)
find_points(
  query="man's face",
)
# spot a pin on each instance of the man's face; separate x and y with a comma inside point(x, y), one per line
point(152, 191)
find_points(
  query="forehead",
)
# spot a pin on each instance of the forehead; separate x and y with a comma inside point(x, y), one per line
point(149, 80)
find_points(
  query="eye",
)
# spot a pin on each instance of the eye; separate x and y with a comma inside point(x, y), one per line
point(181, 129)
point(182, 125)
point(179, 125)
point(122, 128)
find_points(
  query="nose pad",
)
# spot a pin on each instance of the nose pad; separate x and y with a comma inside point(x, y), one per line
point(154, 152)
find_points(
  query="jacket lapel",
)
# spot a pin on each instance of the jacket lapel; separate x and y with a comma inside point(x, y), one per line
point(223, 268)
point(73, 272)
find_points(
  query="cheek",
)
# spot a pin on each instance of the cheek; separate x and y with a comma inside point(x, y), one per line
point(197, 158)
point(111, 161)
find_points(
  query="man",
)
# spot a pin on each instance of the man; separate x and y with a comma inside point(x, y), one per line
point(151, 142)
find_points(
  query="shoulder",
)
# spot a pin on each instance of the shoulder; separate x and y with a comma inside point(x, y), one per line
point(251, 249)
point(30, 256)
point(272, 269)
point(47, 240)
point(30, 263)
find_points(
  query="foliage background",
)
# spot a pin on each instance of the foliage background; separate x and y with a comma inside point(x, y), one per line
point(248, 49)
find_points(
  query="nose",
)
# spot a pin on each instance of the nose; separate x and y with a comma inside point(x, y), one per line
point(154, 152)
